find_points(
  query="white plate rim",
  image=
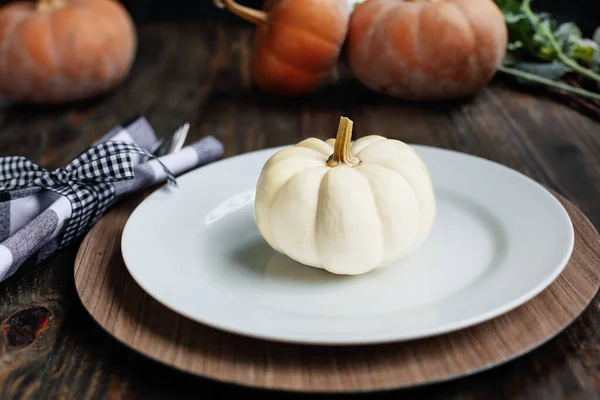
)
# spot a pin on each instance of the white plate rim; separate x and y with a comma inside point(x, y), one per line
point(383, 339)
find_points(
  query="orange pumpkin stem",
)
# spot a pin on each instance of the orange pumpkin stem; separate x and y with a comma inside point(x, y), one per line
point(252, 15)
point(50, 5)
point(342, 150)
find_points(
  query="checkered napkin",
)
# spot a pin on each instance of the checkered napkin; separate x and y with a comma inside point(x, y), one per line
point(43, 211)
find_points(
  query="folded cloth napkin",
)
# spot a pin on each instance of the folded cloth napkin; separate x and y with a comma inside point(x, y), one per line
point(43, 211)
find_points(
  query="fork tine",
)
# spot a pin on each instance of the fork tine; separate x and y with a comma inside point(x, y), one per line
point(179, 138)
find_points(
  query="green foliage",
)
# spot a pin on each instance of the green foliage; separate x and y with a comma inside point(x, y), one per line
point(538, 45)
point(530, 37)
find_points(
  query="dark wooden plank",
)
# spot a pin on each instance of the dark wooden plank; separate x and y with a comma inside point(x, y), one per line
point(41, 299)
point(198, 71)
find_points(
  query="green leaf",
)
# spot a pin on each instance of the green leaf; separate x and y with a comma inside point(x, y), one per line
point(584, 51)
point(552, 70)
point(520, 30)
point(515, 45)
point(567, 32)
point(512, 18)
point(569, 38)
point(507, 6)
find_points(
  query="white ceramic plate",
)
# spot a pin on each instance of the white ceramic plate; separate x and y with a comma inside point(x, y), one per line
point(498, 240)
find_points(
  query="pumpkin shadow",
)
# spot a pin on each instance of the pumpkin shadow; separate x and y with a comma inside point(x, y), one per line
point(348, 94)
point(258, 258)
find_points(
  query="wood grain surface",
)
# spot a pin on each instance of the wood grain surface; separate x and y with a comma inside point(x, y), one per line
point(198, 71)
point(121, 307)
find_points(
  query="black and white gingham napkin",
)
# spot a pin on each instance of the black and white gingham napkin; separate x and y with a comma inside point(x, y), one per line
point(42, 211)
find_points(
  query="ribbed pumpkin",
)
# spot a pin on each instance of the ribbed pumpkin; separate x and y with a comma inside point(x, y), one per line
point(426, 49)
point(296, 42)
point(56, 51)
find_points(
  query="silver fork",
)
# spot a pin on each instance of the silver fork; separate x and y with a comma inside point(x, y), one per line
point(163, 146)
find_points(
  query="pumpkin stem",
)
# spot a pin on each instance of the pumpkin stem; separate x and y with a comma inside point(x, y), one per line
point(50, 5)
point(342, 150)
point(252, 15)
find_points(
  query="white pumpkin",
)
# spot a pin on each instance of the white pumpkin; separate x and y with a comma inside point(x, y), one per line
point(345, 207)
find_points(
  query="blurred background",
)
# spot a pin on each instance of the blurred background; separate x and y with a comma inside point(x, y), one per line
point(192, 64)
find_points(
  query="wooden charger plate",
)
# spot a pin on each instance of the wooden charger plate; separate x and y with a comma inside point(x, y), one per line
point(122, 308)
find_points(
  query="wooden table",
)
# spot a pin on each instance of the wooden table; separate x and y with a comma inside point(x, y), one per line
point(198, 72)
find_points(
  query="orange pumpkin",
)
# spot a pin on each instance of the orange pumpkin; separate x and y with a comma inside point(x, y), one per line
point(296, 42)
point(426, 49)
point(56, 51)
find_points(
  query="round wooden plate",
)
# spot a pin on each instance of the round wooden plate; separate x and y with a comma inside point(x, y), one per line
point(121, 307)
